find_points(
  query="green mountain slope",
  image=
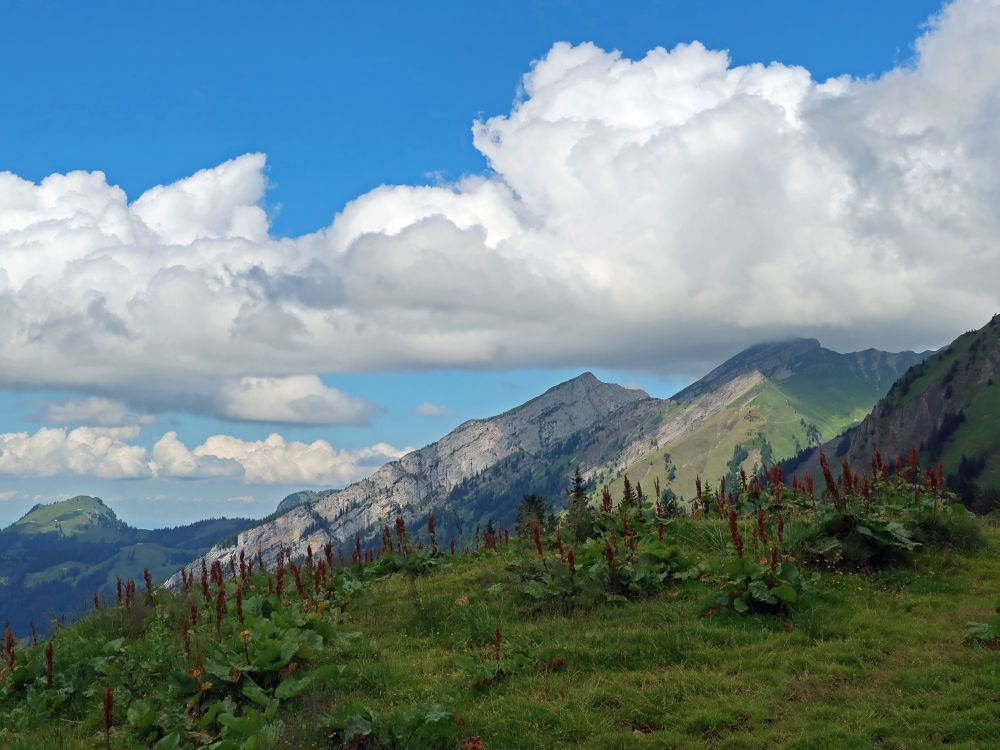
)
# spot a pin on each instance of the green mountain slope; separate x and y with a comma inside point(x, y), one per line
point(949, 408)
point(776, 400)
point(55, 557)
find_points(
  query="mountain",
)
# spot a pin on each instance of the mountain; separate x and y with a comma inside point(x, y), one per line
point(56, 556)
point(532, 433)
point(766, 403)
point(769, 401)
point(948, 406)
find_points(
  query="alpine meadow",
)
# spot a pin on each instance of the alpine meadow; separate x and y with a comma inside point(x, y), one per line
point(451, 376)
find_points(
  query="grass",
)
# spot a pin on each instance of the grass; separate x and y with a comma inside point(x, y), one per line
point(866, 660)
point(775, 410)
point(871, 661)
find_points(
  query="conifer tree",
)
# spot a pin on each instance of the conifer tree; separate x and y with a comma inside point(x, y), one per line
point(579, 522)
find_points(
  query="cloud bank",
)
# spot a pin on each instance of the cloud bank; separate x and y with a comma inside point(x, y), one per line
point(650, 213)
point(109, 453)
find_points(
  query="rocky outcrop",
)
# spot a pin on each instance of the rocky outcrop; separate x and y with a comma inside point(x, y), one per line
point(413, 483)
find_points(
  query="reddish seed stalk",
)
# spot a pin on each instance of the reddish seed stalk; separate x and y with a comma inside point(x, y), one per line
point(8, 647)
point(239, 605)
point(109, 704)
point(148, 578)
point(734, 532)
point(194, 615)
point(48, 664)
point(571, 561)
point(606, 500)
point(536, 536)
point(831, 484)
point(186, 636)
point(220, 608)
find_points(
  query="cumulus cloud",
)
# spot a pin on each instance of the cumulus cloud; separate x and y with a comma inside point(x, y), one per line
point(430, 409)
point(276, 461)
point(649, 213)
point(95, 411)
point(8, 495)
point(302, 399)
point(93, 451)
point(110, 453)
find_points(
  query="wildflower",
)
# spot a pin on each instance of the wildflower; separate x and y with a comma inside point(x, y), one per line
point(194, 615)
point(559, 545)
point(452, 545)
point(431, 530)
point(571, 561)
point(609, 554)
point(606, 500)
point(697, 487)
point(328, 553)
point(48, 664)
point(239, 605)
point(148, 578)
point(536, 535)
point(186, 636)
point(734, 532)
point(109, 705)
point(118, 590)
point(659, 531)
point(831, 485)
point(775, 557)
point(810, 490)
point(8, 646)
point(220, 608)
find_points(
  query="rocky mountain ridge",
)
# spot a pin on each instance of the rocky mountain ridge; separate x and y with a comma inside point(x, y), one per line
point(601, 427)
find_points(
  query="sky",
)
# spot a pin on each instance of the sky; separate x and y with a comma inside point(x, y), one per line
point(249, 248)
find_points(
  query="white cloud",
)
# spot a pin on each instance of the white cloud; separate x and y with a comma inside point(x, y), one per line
point(8, 495)
point(276, 461)
point(430, 409)
point(302, 399)
point(94, 451)
point(110, 453)
point(638, 213)
point(95, 411)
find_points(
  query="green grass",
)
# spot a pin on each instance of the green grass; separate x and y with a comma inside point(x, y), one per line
point(776, 410)
point(871, 660)
point(81, 515)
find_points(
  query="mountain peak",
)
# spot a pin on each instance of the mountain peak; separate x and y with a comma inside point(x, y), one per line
point(77, 515)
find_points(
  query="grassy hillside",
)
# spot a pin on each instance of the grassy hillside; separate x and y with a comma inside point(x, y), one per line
point(81, 517)
point(508, 648)
point(769, 422)
point(804, 394)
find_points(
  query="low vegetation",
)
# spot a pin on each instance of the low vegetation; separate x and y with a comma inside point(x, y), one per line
point(840, 616)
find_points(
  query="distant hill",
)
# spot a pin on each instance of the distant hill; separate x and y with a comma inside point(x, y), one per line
point(948, 406)
point(767, 403)
point(56, 556)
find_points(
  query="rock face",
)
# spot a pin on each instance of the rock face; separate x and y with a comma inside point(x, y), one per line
point(413, 483)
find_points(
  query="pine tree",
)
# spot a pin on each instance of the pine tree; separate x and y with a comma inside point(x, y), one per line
point(579, 522)
point(532, 509)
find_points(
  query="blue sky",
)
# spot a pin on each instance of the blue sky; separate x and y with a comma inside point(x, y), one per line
point(343, 98)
